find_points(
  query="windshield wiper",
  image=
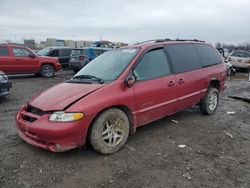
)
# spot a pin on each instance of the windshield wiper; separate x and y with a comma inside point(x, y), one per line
point(86, 76)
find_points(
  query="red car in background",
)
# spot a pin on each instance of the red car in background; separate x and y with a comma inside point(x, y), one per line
point(20, 60)
point(121, 90)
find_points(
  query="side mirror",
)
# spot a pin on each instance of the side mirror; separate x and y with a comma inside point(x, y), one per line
point(130, 80)
point(31, 55)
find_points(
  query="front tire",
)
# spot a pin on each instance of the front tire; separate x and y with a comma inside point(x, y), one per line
point(47, 71)
point(110, 131)
point(209, 103)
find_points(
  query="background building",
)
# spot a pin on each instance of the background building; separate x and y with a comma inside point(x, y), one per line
point(30, 43)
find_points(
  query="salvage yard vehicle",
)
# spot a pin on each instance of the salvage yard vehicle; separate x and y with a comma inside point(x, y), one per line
point(62, 53)
point(240, 59)
point(5, 85)
point(122, 90)
point(230, 69)
point(80, 57)
point(21, 60)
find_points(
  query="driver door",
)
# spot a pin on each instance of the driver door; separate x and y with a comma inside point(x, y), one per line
point(22, 63)
point(154, 89)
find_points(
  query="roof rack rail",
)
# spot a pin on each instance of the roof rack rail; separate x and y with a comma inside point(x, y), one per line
point(196, 40)
point(154, 40)
point(147, 41)
point(167, 39)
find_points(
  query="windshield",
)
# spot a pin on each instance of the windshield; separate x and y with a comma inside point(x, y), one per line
point(109, 65)
point(76, 52)
point(44, 52)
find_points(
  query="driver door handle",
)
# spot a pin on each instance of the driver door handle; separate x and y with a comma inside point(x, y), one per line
point(171, 83)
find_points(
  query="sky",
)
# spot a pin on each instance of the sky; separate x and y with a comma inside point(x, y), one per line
point(224, 21)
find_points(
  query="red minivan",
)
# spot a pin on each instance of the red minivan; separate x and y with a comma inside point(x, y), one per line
point(121, 90)
point(20, 59)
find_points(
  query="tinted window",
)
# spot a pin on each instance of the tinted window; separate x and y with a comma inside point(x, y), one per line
point(4, 51)
point(65, 52)
point(153, 64)
point(76, 52)
point(54, 53)
point(207, 55)
point(20, 52)
point(184, 57)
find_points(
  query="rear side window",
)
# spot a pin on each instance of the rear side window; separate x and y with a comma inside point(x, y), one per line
point(184, 57)
point(20, 52)
point(153, 64)
point(54, 53)
point(76, 52)
point(207, 55)
point(4, 51)
point(65, 52)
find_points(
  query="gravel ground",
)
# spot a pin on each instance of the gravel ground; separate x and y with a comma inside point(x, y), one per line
point(216, 152)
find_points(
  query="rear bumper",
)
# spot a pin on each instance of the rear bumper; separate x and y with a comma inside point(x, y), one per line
point(53, 136)
point(5, 88)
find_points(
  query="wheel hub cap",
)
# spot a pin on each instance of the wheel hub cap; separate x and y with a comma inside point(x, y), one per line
point(213, 101)
point(113, 132)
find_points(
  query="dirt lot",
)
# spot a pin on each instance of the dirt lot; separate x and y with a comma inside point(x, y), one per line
point(217, 148)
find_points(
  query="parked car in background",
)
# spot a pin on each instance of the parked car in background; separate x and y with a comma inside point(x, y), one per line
point(62, 53)
point(240, 59)
point(121, 90)
point(225, 53)
point(80, 57)
point(20, 60)
point(103, 44)
point(5, 85)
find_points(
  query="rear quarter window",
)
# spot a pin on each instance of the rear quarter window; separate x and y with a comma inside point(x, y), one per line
point(183, 57)
point(208, 55)
point(4, 51)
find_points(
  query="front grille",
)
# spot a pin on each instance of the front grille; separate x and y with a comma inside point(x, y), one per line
point(35, 111)
point(32, 110)
point(29, 119)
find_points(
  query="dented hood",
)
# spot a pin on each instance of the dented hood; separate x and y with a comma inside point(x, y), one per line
point(62, 95)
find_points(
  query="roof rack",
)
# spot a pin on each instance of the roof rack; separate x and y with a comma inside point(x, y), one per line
point(167, 39)
point(146, 41)
point(196, 40)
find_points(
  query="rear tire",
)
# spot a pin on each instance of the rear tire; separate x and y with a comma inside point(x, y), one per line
point(110, 131)
point(47, 71)
point(209, 103)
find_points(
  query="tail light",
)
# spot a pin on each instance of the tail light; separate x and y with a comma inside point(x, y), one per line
point(248, 62)
point(82, 58)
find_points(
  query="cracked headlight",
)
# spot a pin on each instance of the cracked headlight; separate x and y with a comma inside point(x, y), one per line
point(61, 116)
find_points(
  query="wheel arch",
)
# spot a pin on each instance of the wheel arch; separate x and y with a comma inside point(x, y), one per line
point(45, 63)
point(125, 109)
point(214, 82)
